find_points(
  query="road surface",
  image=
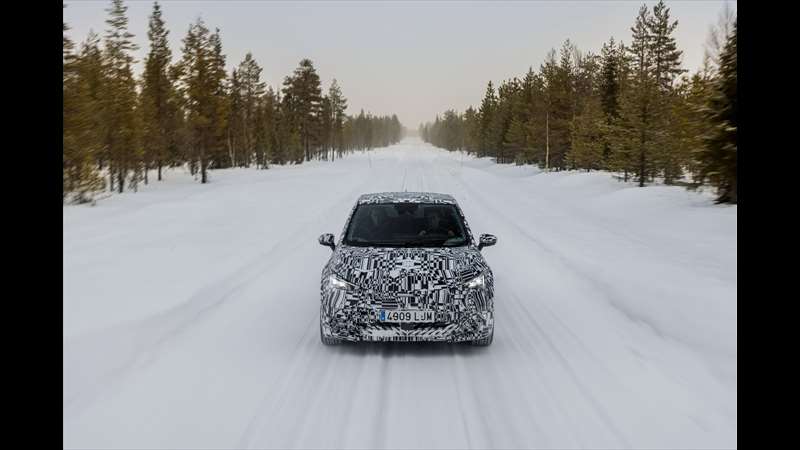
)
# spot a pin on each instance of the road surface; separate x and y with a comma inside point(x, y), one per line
point(191, 315)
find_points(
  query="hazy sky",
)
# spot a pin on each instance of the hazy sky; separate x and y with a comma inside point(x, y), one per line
point(411, 58)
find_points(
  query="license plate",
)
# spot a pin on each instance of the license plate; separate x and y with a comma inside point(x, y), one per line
point(405, 316)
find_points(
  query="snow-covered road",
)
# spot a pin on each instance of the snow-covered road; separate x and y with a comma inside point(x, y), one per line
point(191, 315)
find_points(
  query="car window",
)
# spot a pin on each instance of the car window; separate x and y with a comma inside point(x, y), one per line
point(406, 225)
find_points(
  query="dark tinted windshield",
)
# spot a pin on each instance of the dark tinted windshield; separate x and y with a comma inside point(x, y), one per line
point(406, 225)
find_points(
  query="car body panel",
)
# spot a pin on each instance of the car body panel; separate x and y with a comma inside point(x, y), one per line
point(391, 278)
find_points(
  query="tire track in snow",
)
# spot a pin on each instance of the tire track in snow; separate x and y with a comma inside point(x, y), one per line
point(639, 241)
point(467, 401)
point(599, 411)
point(348, 413)
point(178, 319)
point(495, 393)
point(465, 381)
point(380, 436)
point(581, 277)
point(604, 290)
point(638, 246)
point(273, 401)
point(266, 409)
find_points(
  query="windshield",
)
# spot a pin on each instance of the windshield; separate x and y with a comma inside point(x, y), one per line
point(406, 225)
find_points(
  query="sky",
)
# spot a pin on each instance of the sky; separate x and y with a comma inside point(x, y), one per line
point(412, 58)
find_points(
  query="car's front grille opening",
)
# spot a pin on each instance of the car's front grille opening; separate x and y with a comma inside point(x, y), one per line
point(410, 326)
point(421, 331)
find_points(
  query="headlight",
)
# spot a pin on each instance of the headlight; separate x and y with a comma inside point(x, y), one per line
point(338, 283)
point(477, 282)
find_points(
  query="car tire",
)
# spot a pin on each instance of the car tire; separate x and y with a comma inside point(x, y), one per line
point(327, 340)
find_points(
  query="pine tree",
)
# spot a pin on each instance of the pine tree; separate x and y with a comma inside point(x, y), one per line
point(685, 126)
point(157, 96)
point(503, 115)
point(90, 69)
point(471, 130)
point(519, 136)
point(587, 79)
point(717, 160)
point(82, 120)
point(338, 104)
point(287, 150)
point(588, 139)
point(236, 127)
point(219, 101)
point(634, 138)
point(624, 64)
point(485, 114)
point(527, 98)
point(666, 66)
point(536, 120)
point(517, 140)
point(270, 106)
point(325, 124)
point(262, 135)
point(202, 80)
point(178, 149)
point(303, 88)
point(450, 138)
point(548, 71)
point(560, 105)
point(610, 86)
point(666, 58)
point(251, 90)
point(609, 80)
point(120, 97)
point(694, 123)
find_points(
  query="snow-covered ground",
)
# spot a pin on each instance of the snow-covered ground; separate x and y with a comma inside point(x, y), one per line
point(191, 315)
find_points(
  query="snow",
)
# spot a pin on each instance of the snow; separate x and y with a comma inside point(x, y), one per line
point(191, 315)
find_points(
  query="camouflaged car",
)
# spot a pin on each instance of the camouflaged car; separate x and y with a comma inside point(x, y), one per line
point(407, 268)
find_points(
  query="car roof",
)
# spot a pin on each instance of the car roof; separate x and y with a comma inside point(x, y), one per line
point(406, 197)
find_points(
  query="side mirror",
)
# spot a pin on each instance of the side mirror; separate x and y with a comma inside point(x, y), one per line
point(487, 240)
point(327, 240)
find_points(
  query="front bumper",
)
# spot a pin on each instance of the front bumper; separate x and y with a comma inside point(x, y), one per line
point(473, 327)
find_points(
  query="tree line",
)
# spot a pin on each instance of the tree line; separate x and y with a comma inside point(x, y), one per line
point(631, 109)
point(118, 128)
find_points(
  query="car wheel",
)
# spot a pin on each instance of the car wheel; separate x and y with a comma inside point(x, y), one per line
point(327, 340)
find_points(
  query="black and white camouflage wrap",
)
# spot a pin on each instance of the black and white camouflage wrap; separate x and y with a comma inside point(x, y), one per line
point(431, 279)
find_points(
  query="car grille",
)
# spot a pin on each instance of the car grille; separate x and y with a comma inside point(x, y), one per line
point(404, 332)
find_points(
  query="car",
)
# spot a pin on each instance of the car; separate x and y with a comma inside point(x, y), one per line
point(407, 268)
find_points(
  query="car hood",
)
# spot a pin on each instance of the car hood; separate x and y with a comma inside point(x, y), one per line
point(397, 270)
